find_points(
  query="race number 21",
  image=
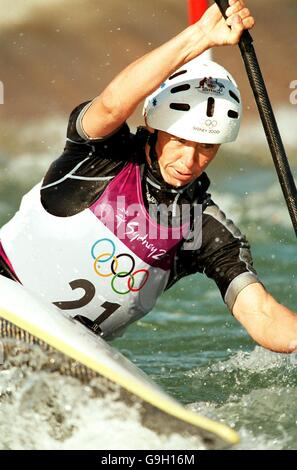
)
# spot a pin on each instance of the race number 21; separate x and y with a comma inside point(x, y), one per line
point(89, 294)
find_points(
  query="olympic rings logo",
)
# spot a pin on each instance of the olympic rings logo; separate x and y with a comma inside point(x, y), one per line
point(211, 123)
point(110, 256)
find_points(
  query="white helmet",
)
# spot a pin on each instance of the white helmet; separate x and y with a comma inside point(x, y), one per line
point(199, 102)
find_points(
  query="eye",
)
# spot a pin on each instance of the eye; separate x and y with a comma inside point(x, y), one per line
point(207, 146)
point(178, 140)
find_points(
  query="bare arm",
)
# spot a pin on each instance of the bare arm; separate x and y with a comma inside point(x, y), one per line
point(119, 100)
point(269, 323)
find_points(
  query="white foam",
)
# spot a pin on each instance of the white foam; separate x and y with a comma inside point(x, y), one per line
point(47, 411)
point(265, 207)
point(36, 146)
point(258, 360)
point(259, 387)
point(252, 138)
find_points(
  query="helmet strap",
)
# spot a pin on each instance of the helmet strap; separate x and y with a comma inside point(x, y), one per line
point(152, 140)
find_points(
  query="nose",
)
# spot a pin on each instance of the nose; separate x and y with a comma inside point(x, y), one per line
point(188, 158)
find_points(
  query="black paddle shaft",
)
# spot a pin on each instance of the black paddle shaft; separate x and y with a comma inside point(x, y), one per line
point(268, 119)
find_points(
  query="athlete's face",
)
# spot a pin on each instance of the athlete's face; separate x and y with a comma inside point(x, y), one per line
point(181, 161)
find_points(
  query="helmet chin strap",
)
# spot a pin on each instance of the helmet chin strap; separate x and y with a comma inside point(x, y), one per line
point(152, 141)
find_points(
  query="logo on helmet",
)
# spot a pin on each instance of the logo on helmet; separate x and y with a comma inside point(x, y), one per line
point(211, 85)
point(211, 123)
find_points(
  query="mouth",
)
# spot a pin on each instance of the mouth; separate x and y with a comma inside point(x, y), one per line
point(181, 176)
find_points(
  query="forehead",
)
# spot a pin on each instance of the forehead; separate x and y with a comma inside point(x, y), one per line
point(164, 136)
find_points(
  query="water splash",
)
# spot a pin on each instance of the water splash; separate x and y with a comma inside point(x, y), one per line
point(259, 388)
point(46, 410)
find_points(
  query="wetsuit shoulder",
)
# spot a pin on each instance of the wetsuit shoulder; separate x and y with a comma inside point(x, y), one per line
point(80, 175)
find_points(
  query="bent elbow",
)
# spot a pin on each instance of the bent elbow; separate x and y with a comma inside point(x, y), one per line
point(111, 106)
point(103, 117)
